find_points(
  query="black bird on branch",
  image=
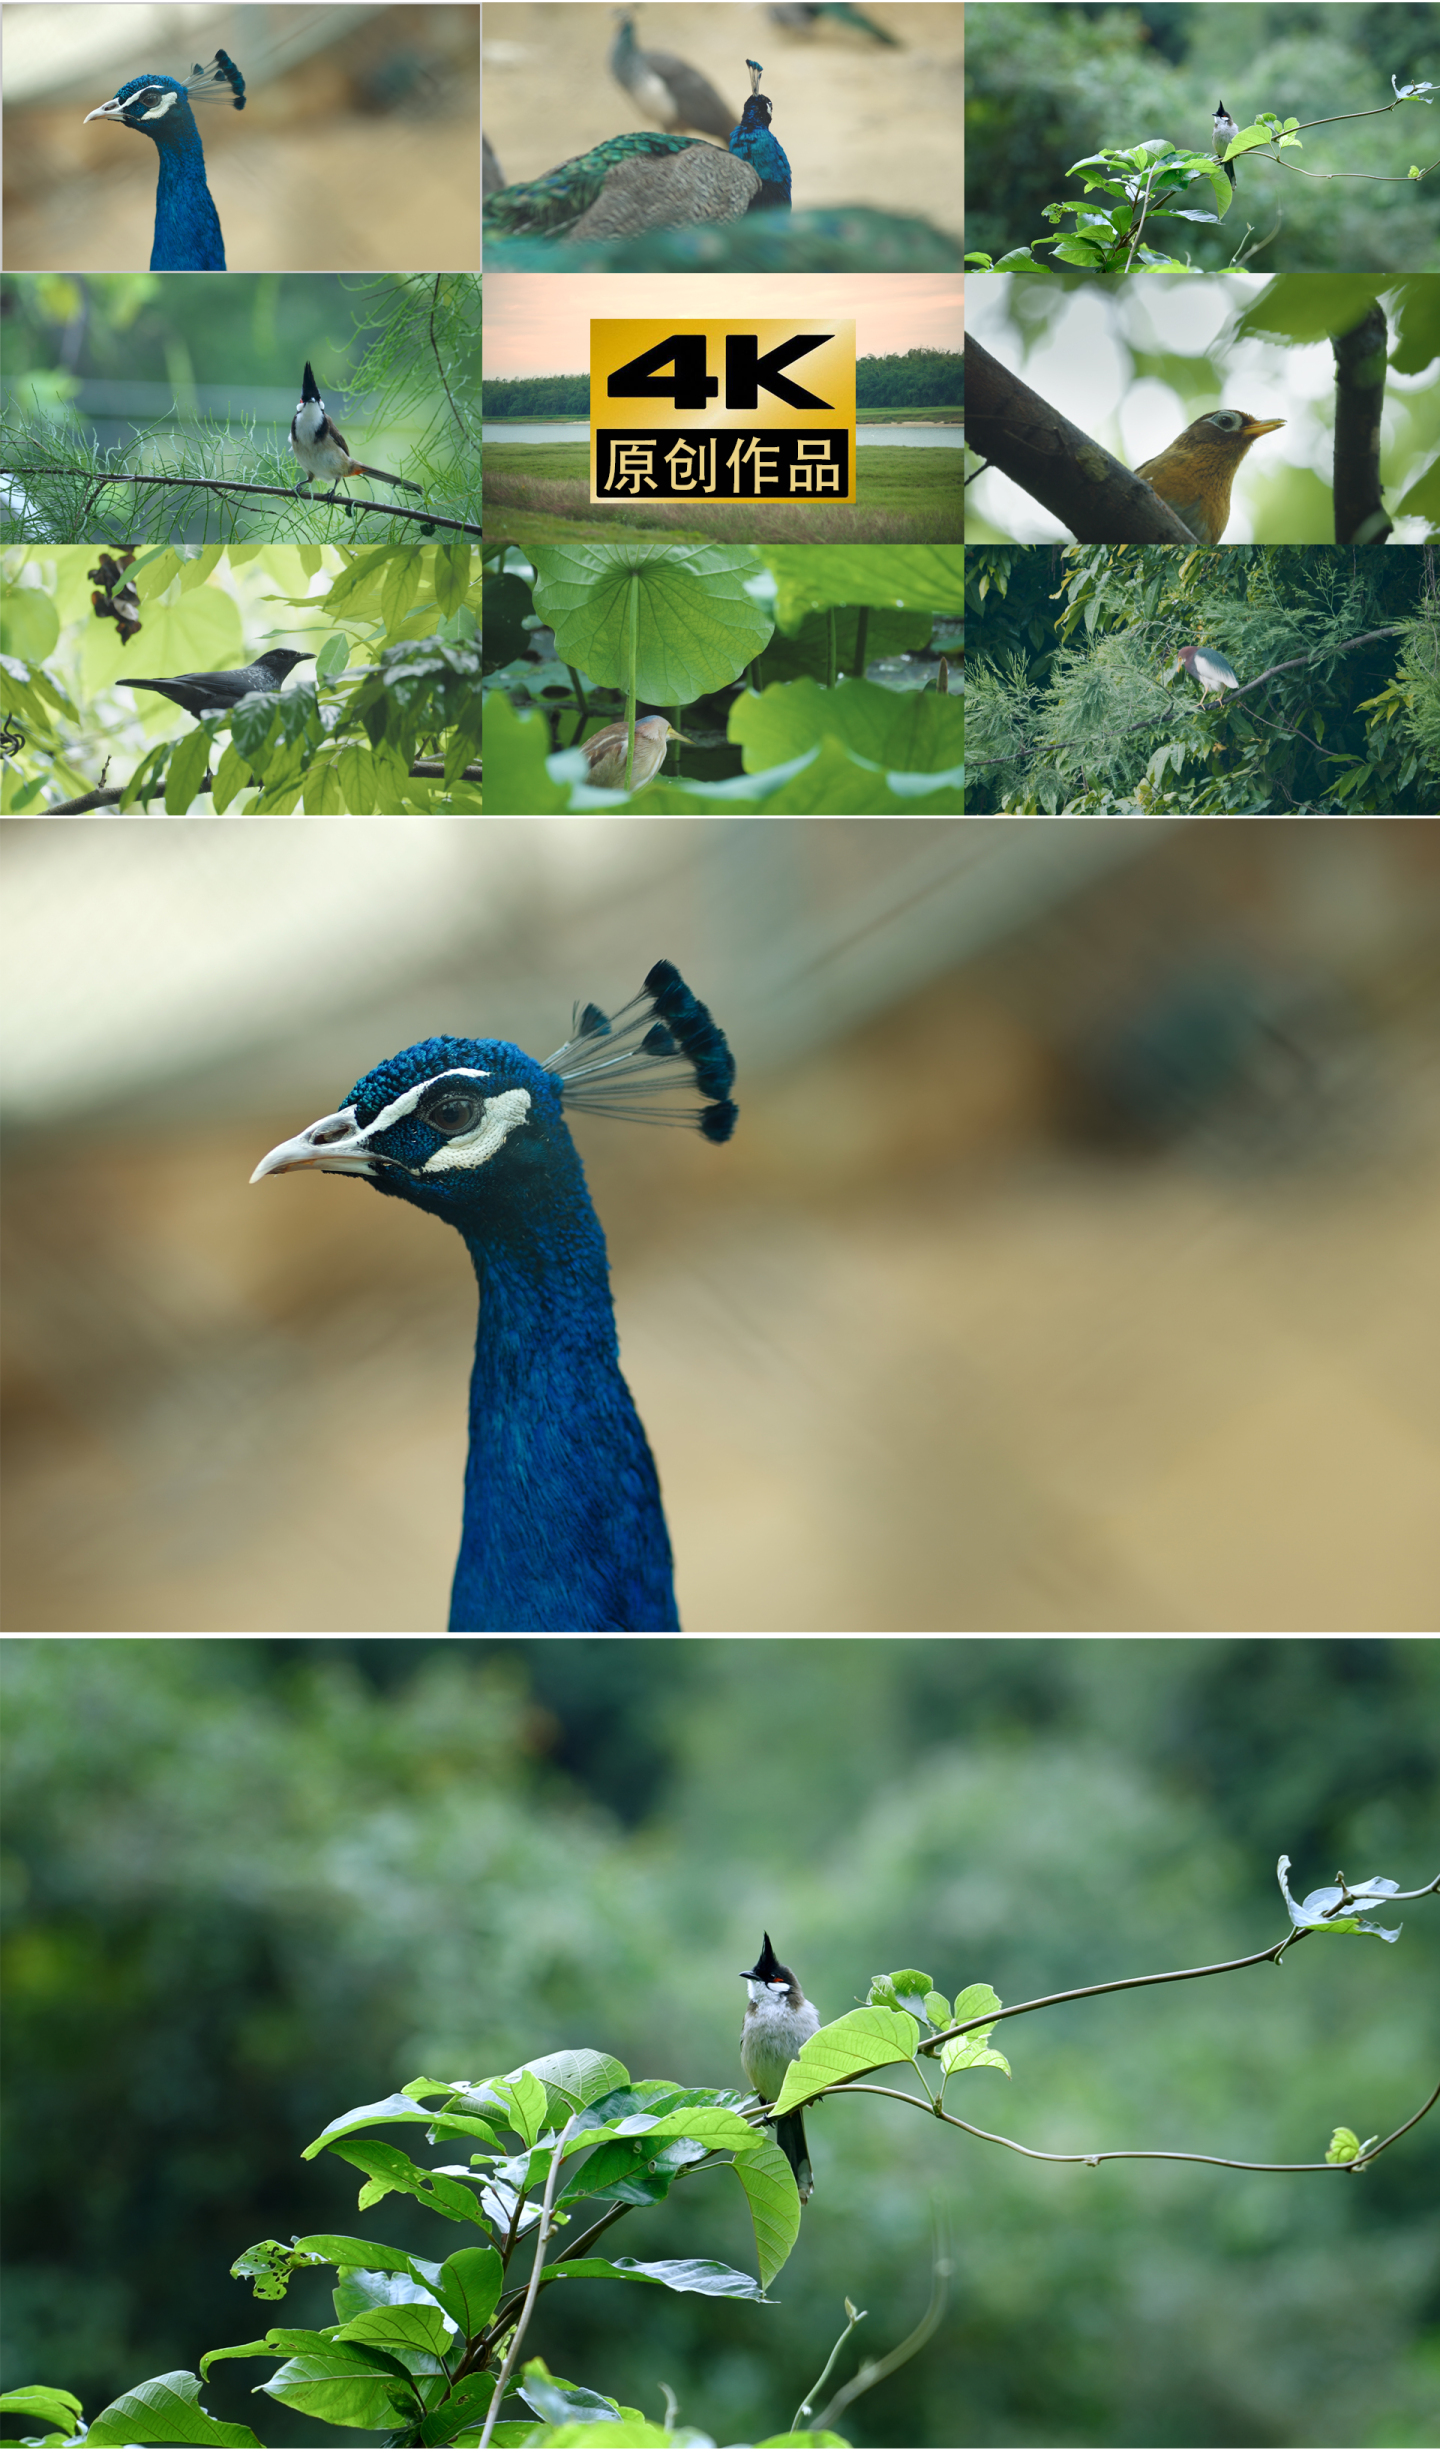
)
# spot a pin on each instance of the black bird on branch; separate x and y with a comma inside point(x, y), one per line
point(211, 693)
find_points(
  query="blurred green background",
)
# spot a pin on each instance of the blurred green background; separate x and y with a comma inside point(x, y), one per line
point(254, 1882)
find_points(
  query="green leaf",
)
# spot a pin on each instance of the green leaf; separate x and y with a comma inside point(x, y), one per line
point(269, 2346)
point(812, 578)
point(164, 2410)
point(270, 2264)
point(1343, 2148)
point(698, 625)
point(390, 2170)
point(47, 2402)
point(389, 2108)
point(186, 771)
point(406, 2325)
point(865, 2039)
point(637, 2171)
point(700, 2274)
point(400, 589)
point(557, 2400)
point(917, 732)
point(341, 2249)
point(350, 2384)
point(468, 2287)
point(937, 2010)
point(802, 2436)
point(774, 2201)
point(524, 2095)
point(578, 2076)
point(452, 575)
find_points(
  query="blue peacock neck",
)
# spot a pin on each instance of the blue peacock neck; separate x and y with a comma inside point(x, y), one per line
point(187, 226)
point(563, 1527)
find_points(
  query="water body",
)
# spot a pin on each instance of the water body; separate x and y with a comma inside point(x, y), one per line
point(521, 430)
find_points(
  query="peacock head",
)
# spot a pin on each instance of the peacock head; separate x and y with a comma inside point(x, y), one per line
point(160, 106)
point(444, 1124)
point(473, 1130)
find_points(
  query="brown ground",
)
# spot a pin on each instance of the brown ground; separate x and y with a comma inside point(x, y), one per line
point(861, 124)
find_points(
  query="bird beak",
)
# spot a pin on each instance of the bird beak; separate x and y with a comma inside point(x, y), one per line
point(335, 1143)
point(113, 109)
point(1264, 425)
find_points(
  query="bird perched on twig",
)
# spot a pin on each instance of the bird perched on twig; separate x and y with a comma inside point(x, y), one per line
point(321, 448)
point(666, 88)
point(754, 144)
point(1225, 132)
point(1207, 666)
point(1194, 474)
point(606, 751)
point(563, 1527)
point(801, 16)
point(187, 227)
point(204, 693)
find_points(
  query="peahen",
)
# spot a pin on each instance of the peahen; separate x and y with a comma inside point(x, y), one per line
point(187, 226)
point(801, 16)
point(563, 1527)
point(754, 144)
point(667, 88)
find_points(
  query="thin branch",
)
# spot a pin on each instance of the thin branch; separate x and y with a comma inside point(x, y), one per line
point(234, 486)
point(1133, 2154)
point(853, 2317)
point(435, 353)
point(542, 2234)
point(874, 2370)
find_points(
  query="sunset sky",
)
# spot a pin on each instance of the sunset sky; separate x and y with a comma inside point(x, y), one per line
point(539, 323)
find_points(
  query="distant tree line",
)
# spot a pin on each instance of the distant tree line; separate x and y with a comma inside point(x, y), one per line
point(922, 378)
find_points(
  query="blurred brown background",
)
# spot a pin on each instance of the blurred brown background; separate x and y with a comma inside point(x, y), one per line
point(358, 148)
point(1074, 1265)
point(861, 122)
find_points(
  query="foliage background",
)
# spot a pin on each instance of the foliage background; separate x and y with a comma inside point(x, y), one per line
point(1046, 85)
point(251, 1883)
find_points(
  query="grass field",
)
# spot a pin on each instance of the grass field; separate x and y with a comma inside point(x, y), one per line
point(905, 496)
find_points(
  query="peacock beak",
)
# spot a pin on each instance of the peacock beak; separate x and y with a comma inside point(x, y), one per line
point(334, 1143)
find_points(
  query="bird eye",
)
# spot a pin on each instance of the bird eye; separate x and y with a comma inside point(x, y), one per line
point(1226, 419)
point(453, 1111)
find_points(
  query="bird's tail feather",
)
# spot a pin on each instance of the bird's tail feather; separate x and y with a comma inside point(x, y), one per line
point(639, 1067)
point(360, 470)
point(790, 2138)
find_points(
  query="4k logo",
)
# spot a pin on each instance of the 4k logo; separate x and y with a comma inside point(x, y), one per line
point(778, 424)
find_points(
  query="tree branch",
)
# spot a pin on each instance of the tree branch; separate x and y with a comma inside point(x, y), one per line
point(1360, 514)
point(1133, 2154)
point(1100, 500)
point(236, 486)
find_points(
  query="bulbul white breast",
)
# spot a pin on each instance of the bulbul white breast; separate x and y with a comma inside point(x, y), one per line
point(771, 2039)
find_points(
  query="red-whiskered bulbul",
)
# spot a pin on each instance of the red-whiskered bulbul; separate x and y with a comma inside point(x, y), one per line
point(778, 2020)
point(1225, 134)
point(321, 448)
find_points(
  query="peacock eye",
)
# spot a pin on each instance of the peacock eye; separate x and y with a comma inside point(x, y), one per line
point(453, 1111)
